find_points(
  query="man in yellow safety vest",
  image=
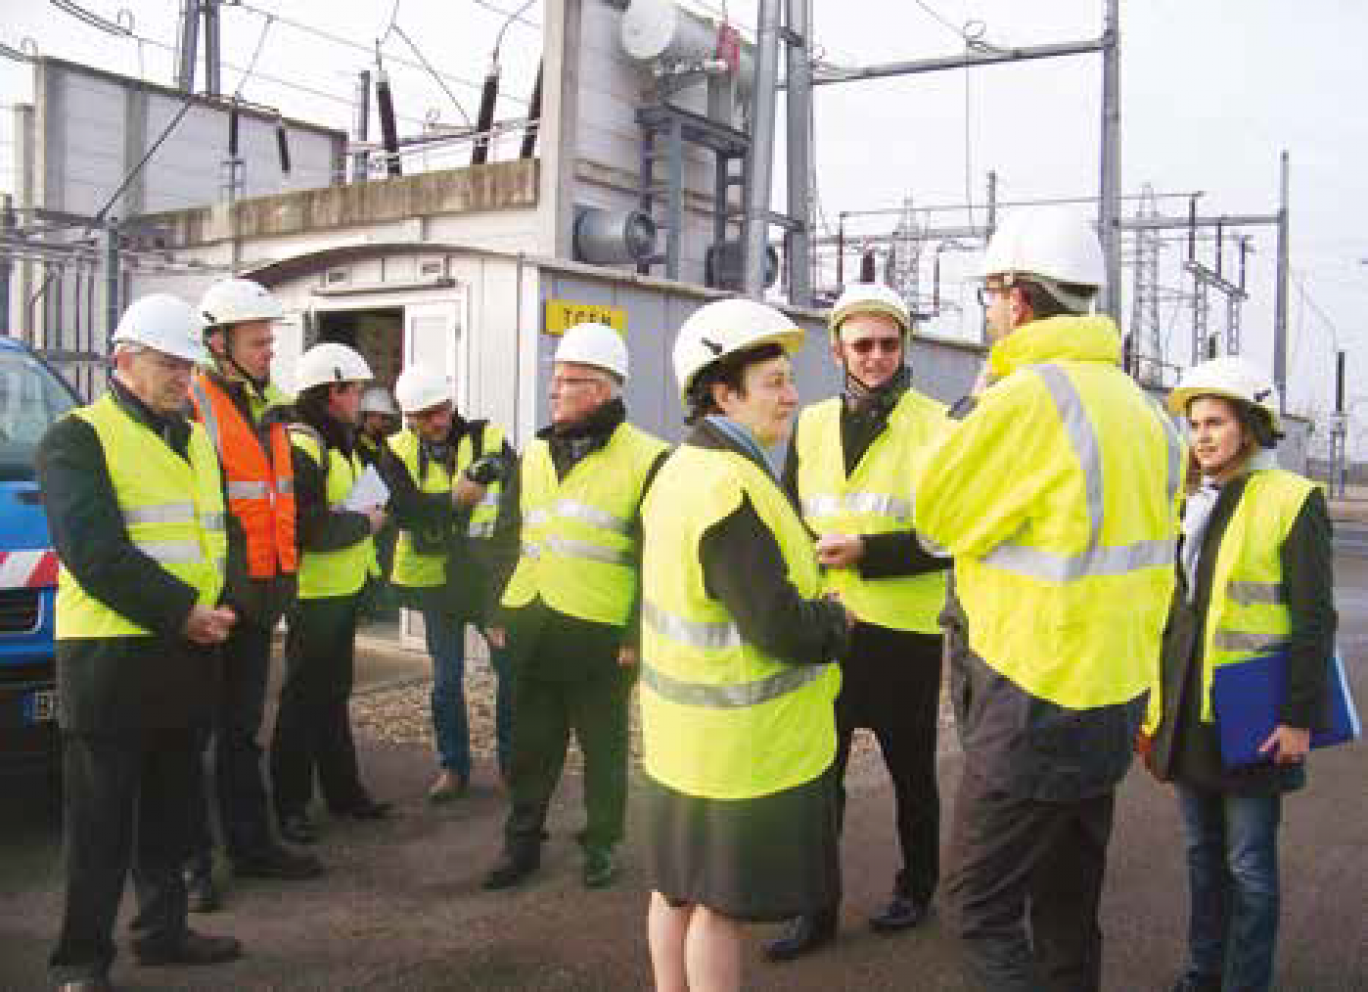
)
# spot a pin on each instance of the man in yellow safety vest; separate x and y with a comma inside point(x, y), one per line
point(848, 469)
point(1056, 494)
point(135, 505)
point(570, 609)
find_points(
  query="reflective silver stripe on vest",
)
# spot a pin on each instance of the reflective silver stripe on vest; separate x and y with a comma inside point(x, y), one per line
point(571, 548)
point(161, 513)
point(1256, 593)
point(212, 521)
point(535, 518)
point(695, 633)
point(485, 529)
point(488, 499)
point(583, 512)
point(731, 697)
point(829, 506)
point(171, 552)
point(242, 489)
point(1243, 640)
point(285, 487)
point(530, 550)
point(1095, 560)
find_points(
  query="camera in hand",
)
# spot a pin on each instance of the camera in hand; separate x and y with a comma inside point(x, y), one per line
point(487, 469)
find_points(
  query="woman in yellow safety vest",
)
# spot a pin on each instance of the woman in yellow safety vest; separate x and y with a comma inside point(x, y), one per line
point(737, 679)
point(1254, 588)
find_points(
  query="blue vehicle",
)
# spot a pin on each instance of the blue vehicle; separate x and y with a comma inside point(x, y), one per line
point(32, 396)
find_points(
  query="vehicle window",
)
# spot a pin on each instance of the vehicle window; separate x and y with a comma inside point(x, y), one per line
point(31, 398)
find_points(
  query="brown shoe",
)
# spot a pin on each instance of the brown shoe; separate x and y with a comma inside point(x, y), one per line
point(447, 787)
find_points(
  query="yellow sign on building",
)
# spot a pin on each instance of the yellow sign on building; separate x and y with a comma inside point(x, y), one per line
point(561, 315)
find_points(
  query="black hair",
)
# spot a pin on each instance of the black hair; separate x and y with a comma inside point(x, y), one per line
point(312, 403)
point(1258, 423)
point(729, 371)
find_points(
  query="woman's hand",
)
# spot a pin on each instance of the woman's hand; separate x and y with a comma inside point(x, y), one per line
point(1288, 745)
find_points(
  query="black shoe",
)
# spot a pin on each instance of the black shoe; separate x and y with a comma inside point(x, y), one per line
point(512, 868)
point(902, 913)
point(801, 935)
point(193, 948)
point(86, 985)
point(279, 863)
point(1198, 983)
point(364, 809)
point(297, 828)
point(600, 868)
point(201, 894)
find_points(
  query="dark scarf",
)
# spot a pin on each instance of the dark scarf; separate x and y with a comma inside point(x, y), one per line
point(878, 401)
point(442, 452)
point(172, 428)
point(571, 443)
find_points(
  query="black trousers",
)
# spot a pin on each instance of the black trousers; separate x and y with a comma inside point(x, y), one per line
point(1025, 880)
point(890, 684)
point(313, 724)
point(238, 777)
point(554, 693)
point(128, 803)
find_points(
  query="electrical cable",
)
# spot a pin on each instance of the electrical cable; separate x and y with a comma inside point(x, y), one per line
point(256, 54)
point(94, 19)
point(359, 46)
point(498, 38)
point(435, 74)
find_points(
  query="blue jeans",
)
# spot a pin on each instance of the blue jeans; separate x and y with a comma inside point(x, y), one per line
point(1232, 855)
point(446, 644)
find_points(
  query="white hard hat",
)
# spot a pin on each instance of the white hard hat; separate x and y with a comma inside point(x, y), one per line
point(164, 323)
point(1054, 244)
point(376, 399)
point(869, 297)
point(723, 328)
point(237, 301)
point(1231, 377)
point(594, 344)
point(419, 389)
point(330, 362)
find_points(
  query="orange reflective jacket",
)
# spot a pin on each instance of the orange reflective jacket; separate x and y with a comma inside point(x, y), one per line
point(260, 489)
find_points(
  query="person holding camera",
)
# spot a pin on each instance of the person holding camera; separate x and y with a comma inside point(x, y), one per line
point(445, 476)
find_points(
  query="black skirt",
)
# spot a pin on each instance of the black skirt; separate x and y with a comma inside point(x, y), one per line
point(756, 860)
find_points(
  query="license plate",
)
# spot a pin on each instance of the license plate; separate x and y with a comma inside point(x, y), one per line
point(40, 706)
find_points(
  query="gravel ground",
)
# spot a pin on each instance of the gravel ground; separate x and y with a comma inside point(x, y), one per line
point(399, 714)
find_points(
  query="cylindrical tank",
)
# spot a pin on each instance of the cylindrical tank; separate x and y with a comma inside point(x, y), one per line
point(613, 237)
point(661, 31)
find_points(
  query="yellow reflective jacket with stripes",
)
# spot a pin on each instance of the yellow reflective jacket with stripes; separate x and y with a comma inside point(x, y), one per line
point(1057, 495)
point(172, 510)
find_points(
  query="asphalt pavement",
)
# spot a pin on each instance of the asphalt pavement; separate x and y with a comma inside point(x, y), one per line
point(401, 906)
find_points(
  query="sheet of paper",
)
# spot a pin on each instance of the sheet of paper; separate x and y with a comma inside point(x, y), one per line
point(368, 491)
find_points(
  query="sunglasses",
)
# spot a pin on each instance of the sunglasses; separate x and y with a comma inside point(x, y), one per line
point(864, 346)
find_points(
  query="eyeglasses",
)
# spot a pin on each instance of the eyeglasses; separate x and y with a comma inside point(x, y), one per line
point(863, 346)
point(986, 294)
point(562, 383)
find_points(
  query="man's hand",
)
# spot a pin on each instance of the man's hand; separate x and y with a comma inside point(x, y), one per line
point(467, 493)
point(1289, 745)
point(206, 625)
point(497, 636)
point(377, 517)
point(627, 656)
point(839, 550)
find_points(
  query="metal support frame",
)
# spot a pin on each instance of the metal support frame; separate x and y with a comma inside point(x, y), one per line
point(760, 161)
point(798, 238)
point(1146, 326)
point(665, 129)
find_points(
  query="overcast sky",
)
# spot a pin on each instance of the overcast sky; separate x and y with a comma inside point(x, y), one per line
point(1211, 92)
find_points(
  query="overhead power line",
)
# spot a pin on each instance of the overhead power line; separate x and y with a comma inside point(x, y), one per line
point(368, 49)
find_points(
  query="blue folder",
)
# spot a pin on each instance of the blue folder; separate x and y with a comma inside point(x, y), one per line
point(1246, 697)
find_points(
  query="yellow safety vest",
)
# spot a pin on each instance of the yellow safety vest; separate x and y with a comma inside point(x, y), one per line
point(172, 509)
point(578, 553)
point(1248, 614)
point(1058, 498)
point(327, 574)
point(875, 499)
point(414, 570)
point(721, 718)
